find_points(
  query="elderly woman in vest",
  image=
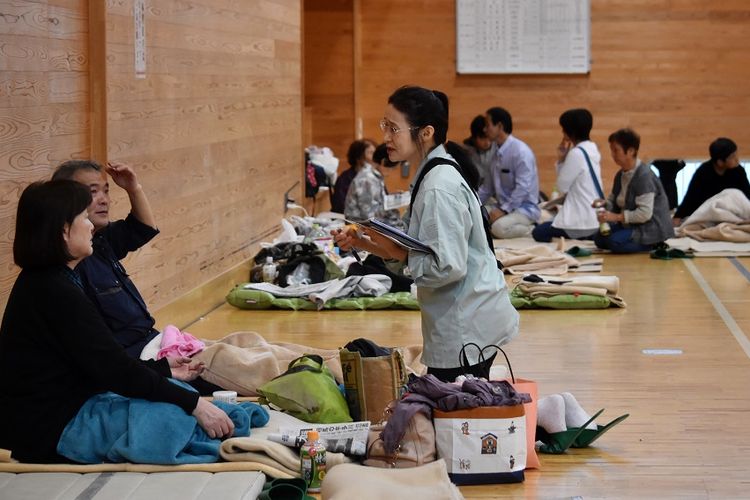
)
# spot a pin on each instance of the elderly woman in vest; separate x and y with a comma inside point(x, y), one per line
point(637, 210)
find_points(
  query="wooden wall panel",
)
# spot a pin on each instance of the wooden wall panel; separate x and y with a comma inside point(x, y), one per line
point(214, 130)
point(674, 71)
point(43, 102)
point(329, 74)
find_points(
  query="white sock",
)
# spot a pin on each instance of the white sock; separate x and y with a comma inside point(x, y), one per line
point(550, 413)
point(575, 415)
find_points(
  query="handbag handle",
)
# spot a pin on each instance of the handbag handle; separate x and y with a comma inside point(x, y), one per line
point(388, 459)
point(464, 361)
point(299, 365)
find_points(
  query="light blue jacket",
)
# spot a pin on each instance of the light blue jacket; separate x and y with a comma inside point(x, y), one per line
point(461, 292)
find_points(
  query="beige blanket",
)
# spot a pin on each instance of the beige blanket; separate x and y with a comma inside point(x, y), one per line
point(723, 217)
point(535, 259)
point(723, 231)
point(243, 361)
point(350, 481)
point(279, 460)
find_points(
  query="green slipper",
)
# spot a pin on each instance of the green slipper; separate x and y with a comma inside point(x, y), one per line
point(578, 251)
point(557, 442)
point(588, 436)
point(660, 253)
point(676, 253)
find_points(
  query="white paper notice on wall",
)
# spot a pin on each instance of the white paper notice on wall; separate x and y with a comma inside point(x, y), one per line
point(139, 23)
point(523, 36)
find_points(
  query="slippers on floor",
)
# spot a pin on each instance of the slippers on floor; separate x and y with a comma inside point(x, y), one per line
point(660, 253)
point(578, 251)
point(676, 253)
point(588, 436)
point(670, 253)
point(557, 442)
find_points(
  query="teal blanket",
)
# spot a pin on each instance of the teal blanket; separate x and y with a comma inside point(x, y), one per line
point(113, 428)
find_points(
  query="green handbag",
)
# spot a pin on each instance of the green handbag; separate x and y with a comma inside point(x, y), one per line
point(308, 391)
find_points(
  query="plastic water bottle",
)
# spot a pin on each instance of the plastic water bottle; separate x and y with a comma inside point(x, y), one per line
point(604, 227)
point(269, 270)
point(322, 239)
point(312, 457)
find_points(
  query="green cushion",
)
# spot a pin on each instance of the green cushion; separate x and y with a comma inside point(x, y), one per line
point(256, 300)
point(565, 301)
point(249, 299)
point(294, 303)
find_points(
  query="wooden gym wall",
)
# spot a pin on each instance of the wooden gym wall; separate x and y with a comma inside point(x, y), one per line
point(329, 77)
point(673, 70)
point(44, 111)
point(213, 129)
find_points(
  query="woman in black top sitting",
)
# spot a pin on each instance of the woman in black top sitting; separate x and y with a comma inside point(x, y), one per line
point(53, 356)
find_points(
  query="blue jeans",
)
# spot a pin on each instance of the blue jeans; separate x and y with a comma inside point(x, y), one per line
point(620, 240)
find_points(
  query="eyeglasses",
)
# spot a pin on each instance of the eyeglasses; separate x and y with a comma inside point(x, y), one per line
point(393, 129)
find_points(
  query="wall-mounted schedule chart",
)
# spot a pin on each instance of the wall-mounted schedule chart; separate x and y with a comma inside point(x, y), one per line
point(523, 36)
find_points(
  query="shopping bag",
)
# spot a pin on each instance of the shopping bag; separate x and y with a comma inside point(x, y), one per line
point(529, 387)
point(483, 445)
point(524, 386)
point(308, 391)
point(372, 382)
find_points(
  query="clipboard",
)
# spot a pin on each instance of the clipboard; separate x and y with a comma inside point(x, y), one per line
point(396, 235)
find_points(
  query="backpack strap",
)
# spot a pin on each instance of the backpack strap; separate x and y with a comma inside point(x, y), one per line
point(593, 175)
point(434, 162)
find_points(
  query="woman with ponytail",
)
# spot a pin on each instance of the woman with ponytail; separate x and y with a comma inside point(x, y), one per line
point(461, 292)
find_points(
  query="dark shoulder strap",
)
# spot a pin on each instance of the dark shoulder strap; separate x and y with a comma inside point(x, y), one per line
point(434, 162)
point(591, 171)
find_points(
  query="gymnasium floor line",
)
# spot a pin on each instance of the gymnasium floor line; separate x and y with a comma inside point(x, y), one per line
point(732, 325)
point(742, 269)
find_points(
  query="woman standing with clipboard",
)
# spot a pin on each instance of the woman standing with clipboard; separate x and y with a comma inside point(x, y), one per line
point(461, 292)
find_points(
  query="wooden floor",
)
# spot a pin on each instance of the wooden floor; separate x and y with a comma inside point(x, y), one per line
point(688, 434)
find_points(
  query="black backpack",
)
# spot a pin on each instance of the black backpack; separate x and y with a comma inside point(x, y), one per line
point(485, 216)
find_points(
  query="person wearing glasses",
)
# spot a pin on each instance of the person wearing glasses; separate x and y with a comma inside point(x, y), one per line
point(512, 181)
point(461, 292)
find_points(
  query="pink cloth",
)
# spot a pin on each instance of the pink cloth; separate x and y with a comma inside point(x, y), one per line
point(175, 343)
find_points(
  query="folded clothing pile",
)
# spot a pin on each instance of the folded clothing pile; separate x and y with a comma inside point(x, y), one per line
point(579, 292)
point(545, 260)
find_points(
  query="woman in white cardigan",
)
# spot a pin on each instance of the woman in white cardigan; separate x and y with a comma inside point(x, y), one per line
point(578, 178)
